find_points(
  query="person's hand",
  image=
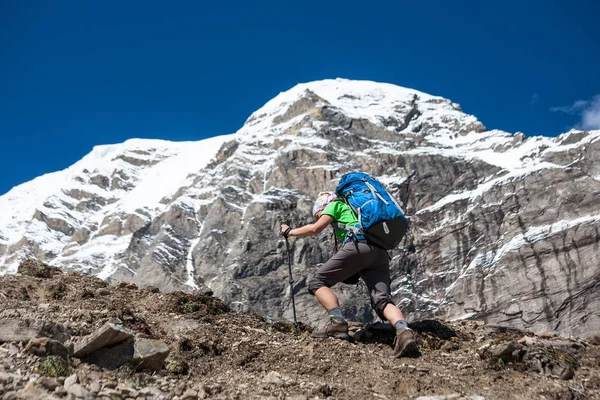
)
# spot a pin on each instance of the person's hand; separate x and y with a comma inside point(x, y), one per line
point(284, 230)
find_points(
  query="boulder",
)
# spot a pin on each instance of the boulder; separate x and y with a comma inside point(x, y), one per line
point(108, 335)
point(149, 354)
point(111, 357)
point(23, 330)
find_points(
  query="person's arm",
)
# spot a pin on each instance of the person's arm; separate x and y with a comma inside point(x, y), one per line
point(310, 229)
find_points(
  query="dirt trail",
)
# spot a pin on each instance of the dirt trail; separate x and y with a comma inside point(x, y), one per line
point(219, 354)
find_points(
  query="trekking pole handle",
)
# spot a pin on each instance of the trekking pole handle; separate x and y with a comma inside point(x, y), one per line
point(288, 229)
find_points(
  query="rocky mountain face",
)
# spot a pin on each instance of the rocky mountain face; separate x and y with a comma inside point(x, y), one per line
point(504, 228)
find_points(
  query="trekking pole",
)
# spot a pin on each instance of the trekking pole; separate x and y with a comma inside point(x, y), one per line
point(287, 245)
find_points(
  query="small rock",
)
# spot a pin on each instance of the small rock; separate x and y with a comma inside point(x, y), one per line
point(32, 391)
point(127, 391)
point(179, 389)
point(481, 350)
point(527, 341)
point(48, 383)
point(449, 346)
point(70, 381)
point(189, 394)
point(110, 384)
point(78, 391)
point(95, 386)
point(273, 377)
point(112, 393)
point(127, 285)
point(102, 292)
point(202, 393)
point(11, 396)
point(510, 351)
point(44, 346)
point(5, 377)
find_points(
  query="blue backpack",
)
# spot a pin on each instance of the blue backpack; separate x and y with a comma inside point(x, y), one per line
point(380, 218)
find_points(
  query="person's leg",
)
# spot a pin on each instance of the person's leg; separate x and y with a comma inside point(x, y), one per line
point(341, 266)
point(327, 298)
point(392, 313)
point(377, 279)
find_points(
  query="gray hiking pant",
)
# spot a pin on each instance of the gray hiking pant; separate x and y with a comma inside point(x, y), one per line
point(370, 262)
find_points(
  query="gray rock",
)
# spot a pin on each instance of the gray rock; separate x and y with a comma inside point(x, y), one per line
point(102, 292)
point(108, 335)
point(43, 347)
point(149, 354)
point(111, 393)
point(79, 391)
point(31, 391)
point(71, 380)
point(5, 377)
point(23, 330)
point(179, 388)
point(189, 394)
point(12, 395)
point(111, 357)
point(48, 383)
point(95, 386)
point(273, 377)
point(510, 351)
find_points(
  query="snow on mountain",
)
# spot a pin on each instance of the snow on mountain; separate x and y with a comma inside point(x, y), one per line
point(142, 172)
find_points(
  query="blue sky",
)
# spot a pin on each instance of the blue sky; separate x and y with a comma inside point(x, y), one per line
point(75, 74)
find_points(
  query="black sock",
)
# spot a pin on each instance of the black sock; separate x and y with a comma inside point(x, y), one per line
point(335, 314)
point(401, 325)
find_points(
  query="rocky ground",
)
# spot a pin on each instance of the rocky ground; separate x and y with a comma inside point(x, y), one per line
point(215, 353)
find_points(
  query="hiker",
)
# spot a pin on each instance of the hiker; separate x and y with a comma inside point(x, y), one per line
point(356, 256)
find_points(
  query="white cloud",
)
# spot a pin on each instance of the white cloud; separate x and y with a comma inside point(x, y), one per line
point(589, 110)
point(590, 118)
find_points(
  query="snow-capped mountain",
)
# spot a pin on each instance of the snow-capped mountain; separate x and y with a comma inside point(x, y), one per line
point(504, 228)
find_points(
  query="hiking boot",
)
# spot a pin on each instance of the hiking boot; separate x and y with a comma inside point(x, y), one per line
point(405, 344)
point(338, 330)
